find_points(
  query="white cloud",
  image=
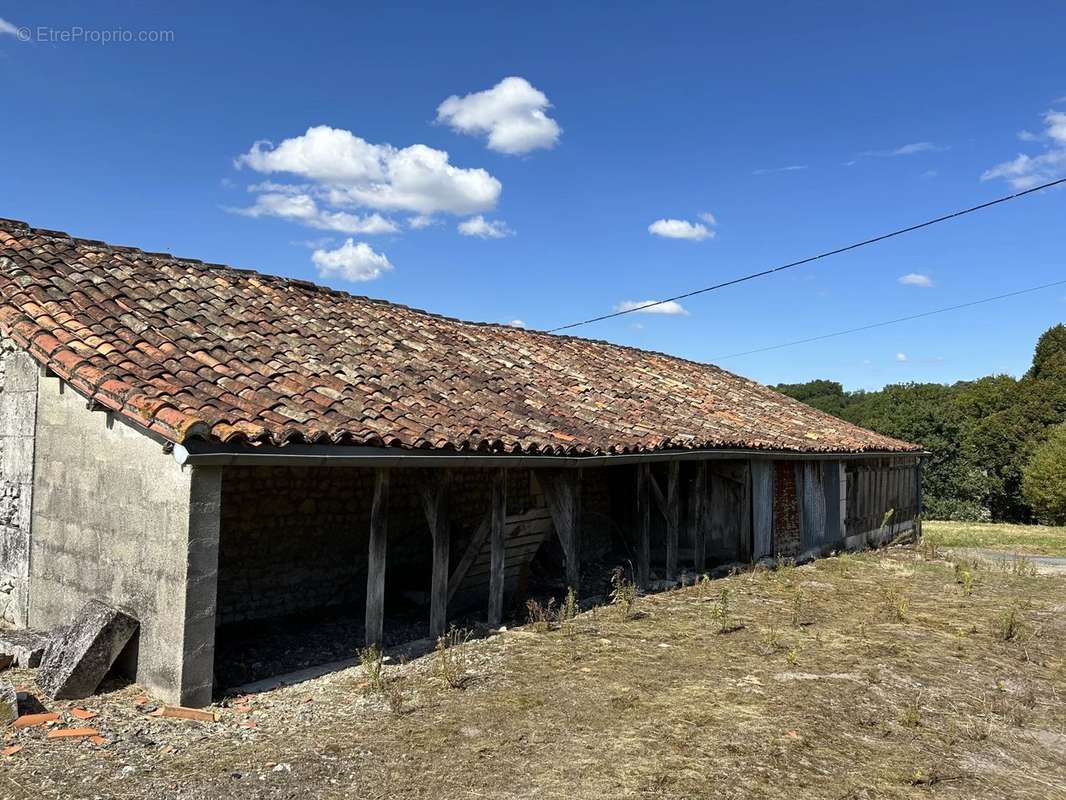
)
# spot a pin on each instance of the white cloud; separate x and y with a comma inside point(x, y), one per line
point(302, 208)
point(7, 27)
point(351, 261)
point(1027, 136)
point(1025, 171)
point(350, 172)
point(516, 323)
point(512, 113)
point(789, 168)
point(905, 150)
point(420, 221)
point(680, 229)
point(901, 357)
point(670, 307)
point(484, 229)
point(916, 279)
point(707, 217)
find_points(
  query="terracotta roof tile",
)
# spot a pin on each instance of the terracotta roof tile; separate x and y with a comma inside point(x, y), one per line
point(195, 350)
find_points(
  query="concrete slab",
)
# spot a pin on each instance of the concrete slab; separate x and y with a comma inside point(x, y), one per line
point(78, 662)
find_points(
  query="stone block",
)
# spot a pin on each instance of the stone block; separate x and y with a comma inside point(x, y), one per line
point(9, 703)
point(25, 647)
point(78, 661)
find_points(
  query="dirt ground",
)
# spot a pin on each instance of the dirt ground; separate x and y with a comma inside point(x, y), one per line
point(892, 674)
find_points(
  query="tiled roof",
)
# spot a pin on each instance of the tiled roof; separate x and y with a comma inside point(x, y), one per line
point(193, 350)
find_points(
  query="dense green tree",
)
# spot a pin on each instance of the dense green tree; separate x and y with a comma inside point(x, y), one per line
point(827, 396)
point(1044, 479)
point(1049, 360)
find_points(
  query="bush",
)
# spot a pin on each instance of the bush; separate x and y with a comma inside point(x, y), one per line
point(955, 510)
point(1044, 479)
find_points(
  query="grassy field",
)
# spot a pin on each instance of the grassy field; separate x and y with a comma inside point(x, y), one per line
point(891, 674)
point(1027, 539)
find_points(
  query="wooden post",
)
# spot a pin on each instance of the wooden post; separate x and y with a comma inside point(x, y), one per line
point(499, 520)
point(697, 516)
point(762, 508)
point(813, 505)
point(434, 502)
point(644, 525)
point(843, 495)
point(375, 572)
point(918, 497)
point(672, 513)
point(744, 546)
point(563, 492)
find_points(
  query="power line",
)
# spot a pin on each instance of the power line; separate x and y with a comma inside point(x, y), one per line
point(893, 321)
point(809, 259)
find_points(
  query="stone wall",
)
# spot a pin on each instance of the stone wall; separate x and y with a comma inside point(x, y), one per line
point(115, 518)
point(295, 538)
point(18, 414)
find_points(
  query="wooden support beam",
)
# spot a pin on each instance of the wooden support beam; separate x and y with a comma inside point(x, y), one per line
point(673, 517)
point(843, 517)
point(434, 494)
point(697, 515)
point(744, 545)
point(644, 480)
point(918, 497)
point(762, 508)
point(469, 555)
point(816, 514)
point(375, 573)
point(499, 520)
point(563, 492)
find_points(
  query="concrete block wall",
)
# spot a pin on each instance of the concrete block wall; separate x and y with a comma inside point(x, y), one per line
point(18, 415)
point(116, 518)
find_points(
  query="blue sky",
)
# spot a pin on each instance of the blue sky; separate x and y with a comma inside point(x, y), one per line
point(795, 127)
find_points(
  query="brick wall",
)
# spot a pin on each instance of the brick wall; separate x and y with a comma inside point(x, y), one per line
point(786, 510)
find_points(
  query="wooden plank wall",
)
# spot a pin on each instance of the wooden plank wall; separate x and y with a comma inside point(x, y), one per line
point(877, 485)
point(762, 508)
point(523, 536)
point(729, 512)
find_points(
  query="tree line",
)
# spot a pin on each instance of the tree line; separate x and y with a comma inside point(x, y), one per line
point(998, 443)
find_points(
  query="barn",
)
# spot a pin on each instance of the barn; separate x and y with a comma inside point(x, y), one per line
point(211, 448)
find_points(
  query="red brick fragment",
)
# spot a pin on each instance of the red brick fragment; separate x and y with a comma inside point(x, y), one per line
point(71, 733)
point(30, 720)
point(82, 714)
point(181, 712)
point(10, 751)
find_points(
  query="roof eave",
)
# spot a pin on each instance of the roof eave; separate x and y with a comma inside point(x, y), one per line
point(202, 453)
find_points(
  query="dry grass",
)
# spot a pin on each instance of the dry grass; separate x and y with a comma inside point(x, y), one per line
point(856, 700)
